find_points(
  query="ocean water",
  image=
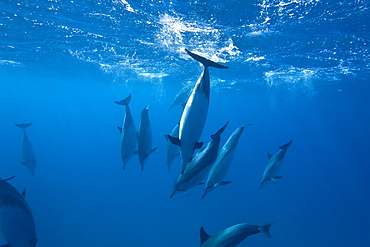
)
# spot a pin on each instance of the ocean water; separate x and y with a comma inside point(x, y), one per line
point(299, 70)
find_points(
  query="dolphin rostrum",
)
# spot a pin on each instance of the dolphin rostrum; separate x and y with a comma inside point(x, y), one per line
point(274, 164)
point(16, 221)
point(172, 149)
point(222, 164)
point(198, 168)
point(144, 137)
point(128, 133)
point(195, 112)
point(28, 156)
point(233, 235)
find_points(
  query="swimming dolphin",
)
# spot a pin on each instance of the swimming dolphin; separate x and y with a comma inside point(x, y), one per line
point(233, 235)
point(28, 156)
point(198, 168)
point(195, 112)
point(222, 164)
point(172, 150)
point(128, 133)
point(182, 97)
point(274, 165)
point(16, 221)
point(144, 138)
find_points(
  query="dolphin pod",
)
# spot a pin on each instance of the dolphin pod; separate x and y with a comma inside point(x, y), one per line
point(128, 133)
point(233, 235)
point(194, 116)
point(144, 138)
point(199, 165)
point(28, 156)
point(16, 221)
point(274, 165)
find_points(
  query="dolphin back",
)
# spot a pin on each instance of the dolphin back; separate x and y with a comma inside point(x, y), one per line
point(125, 101)
point(286, 146)
point(206, 62)
point(23, 126)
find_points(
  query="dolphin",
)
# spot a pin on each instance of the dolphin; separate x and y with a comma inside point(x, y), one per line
point(194, 116)
point(128, 133)
point(233, 235)
point(16, 221)
point(172, 150)
point(181, 97)
point(274, 164)
point(28, 156)
point(222, 164)
point(144, 138)
point(200, 165)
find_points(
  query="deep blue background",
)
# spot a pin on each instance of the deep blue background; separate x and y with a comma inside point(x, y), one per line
point(298, 70)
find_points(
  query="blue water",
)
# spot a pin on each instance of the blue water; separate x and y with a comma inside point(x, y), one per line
point(299, 70)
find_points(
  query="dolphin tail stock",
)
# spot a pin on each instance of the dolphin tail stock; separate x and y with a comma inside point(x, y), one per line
point(265, 229)
point(203, 236)
point(125, 101)
point(286, 146)
point(206, 62)
point(220, 131)
point(23, 126)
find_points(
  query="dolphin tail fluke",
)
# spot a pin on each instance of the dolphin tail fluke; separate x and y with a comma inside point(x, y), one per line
point(286, 146)
point(203, 236)
point(265, 229)
point(124, 102)
point(152, 151)
point(23, 126)
point(206, 62)
point(220, 131)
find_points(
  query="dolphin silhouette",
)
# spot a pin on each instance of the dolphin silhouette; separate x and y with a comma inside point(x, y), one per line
point(200, 164)
point(222, 164)
point(172, 149)
point(144, 138)
point(274, 165)
point(194, 116)
point(233, 235)
point(128, 132)
point(16, 221)
point(28, 156)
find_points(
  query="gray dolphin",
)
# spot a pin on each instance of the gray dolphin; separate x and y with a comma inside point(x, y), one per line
point(195, 112)
point(222, 164)
point(128, 133)
point(172, 150)
point(28, 156)
point(274, 165)
point(16, 221)
point(233, 235)
point(181, 97)
point(144, 138)
point(198, 168)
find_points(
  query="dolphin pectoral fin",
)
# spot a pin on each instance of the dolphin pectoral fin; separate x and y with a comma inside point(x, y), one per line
point(174, 140)
point(201, 183)
point(198, 145)
point(265, 229)
point(119, 129)
point(6, 179)
point(286, 146)
point(275, 178)
point(224, 182)
point(269, 155)
point(152, 151)
point(203, 236)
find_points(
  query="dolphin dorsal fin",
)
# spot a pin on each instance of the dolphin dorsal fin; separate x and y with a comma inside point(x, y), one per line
point(203, 236)
point(269, 155)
